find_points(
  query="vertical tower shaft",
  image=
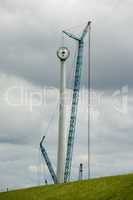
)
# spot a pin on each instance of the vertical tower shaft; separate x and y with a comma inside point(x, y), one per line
point(62, 131)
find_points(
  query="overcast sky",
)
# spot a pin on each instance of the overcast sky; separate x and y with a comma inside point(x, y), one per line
point(30, 34)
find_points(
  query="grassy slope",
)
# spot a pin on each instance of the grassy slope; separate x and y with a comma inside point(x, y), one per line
point(116, 188)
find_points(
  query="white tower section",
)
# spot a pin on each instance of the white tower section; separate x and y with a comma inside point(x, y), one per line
point(63, 53)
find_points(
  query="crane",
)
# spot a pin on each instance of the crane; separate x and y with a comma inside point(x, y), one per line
point(48, 162)
point(75, 98)
point(74, 106)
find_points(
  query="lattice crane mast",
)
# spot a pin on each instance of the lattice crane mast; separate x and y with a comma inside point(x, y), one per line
point(75, 100)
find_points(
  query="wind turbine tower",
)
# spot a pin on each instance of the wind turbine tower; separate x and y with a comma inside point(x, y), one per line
point(63, 53)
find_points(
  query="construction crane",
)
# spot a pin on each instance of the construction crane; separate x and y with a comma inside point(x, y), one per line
point(48, 162)
point(80, 172)
point(75, 99)
point(74, 106)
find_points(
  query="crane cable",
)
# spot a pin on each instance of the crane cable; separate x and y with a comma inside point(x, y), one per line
point(89, 97)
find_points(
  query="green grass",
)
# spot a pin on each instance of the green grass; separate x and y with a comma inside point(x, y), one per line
point(108, 188)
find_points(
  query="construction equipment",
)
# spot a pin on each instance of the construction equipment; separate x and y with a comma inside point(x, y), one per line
point(75, 99)
point(48, 162)
point(81, 172)
point(74, 106)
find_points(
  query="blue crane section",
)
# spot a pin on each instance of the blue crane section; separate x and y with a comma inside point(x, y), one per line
point(75, 99)
point(48, 162)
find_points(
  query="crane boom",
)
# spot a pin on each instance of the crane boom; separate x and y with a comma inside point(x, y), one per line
point(48, 162)
point(85, 30)
point(71, 35)
point(75, 99)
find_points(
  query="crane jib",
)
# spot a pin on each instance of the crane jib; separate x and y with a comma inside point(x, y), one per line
point(48, 162)
point(73, 112)
point(75, 99)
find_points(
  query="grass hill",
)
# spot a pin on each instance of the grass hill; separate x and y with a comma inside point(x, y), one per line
point(108, 188)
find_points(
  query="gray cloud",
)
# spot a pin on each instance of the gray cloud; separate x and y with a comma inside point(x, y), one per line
point(30, 36)
point(22, 129)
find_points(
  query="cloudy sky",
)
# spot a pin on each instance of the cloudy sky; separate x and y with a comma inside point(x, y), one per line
point(30, 34)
